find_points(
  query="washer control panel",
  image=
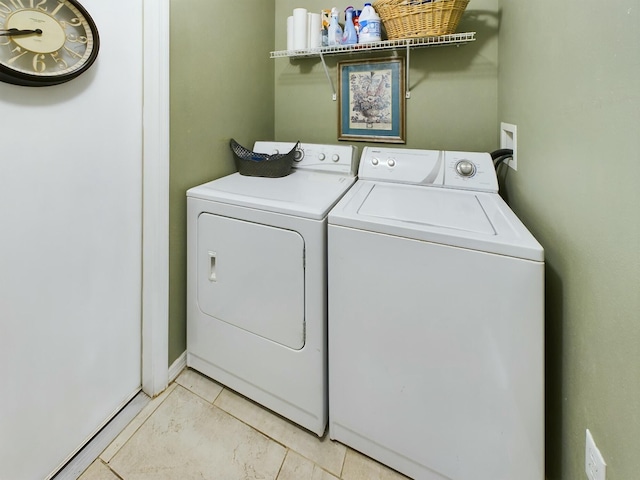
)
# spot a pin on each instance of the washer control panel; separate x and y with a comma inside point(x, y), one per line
point(453, 169)
point(324, 158)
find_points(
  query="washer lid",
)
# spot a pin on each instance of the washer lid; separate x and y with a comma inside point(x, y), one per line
point(474, 220)
point(302, 193)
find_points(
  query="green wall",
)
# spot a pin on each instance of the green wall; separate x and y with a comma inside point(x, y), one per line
point(570, 80)
point(454, 90)
point(222, 87)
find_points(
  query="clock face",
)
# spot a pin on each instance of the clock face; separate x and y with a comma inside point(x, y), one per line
point(45, 42)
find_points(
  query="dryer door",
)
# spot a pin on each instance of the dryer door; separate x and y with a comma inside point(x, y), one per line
point(252, 276)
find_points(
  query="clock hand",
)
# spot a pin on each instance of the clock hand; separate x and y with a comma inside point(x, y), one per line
point(14, 32)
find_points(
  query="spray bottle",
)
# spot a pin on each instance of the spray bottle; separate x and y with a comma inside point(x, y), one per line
point(350, 36)
point(335, 30)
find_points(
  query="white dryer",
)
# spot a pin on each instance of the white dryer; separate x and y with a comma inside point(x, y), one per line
point(257, 280)
point(436, 320)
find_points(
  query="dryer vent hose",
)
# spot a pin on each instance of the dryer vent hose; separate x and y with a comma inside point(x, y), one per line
point(499, 156)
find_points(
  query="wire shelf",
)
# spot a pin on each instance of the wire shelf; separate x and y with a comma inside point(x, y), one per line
point(440, 41)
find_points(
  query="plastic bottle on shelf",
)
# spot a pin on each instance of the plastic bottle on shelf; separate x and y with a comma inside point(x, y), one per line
point(356, 22)
point(325, 15)
point(369, 25)
point(350, 36)
point(335, 30)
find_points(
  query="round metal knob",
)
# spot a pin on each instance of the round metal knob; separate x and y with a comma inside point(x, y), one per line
point(391, 162)
point(374, 161)
point(465, 168)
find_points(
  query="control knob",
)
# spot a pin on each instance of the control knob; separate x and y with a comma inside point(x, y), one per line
point(335, 157)
point(465, 168)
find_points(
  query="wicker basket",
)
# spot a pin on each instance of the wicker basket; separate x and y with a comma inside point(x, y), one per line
point(419, 18)
point(254, 164)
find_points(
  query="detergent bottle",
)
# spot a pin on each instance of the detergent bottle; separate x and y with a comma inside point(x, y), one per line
point(369, 25)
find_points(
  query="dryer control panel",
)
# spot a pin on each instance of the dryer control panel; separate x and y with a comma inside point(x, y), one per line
point(341, 159)
point(437, 168)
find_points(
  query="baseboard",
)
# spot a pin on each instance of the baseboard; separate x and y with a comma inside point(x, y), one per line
point(176, 367)
point(86, 456)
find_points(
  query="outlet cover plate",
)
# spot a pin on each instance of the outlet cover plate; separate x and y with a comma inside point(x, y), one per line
point(594, 462)
point(509, 139)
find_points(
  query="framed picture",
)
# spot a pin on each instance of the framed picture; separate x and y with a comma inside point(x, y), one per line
point(372, 100)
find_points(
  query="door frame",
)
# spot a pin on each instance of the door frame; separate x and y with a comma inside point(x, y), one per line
point(155, 197)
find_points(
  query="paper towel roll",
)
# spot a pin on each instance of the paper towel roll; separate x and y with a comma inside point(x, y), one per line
point(300, 23)
point(314, 30)
point(290, 33)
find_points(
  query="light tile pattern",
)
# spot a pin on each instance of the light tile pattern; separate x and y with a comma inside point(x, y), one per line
point(98, 471)
point(182, 439)
point(198, 429)
point(133, 427)
point(360, 467)
point(329, 455)
point(199, 384)
point(296, 467)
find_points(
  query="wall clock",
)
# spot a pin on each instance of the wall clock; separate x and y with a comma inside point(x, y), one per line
point(45, 42)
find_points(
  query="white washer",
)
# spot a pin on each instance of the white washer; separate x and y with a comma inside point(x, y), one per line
point(436, 320)
point(257, 281)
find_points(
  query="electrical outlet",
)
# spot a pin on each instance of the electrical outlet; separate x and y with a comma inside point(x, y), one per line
point(509, 139)
point(594, 463)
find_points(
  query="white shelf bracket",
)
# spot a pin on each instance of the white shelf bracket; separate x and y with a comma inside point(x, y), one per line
point(326, 71)
point(408, 90)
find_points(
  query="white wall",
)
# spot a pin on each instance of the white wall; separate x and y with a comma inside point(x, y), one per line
point(70, 250)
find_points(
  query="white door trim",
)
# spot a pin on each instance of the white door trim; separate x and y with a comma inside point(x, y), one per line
point(155, 220)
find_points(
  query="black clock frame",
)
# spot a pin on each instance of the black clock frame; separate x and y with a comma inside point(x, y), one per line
point(8, 75)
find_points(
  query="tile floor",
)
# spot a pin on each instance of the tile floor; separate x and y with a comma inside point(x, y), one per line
point(198, 429)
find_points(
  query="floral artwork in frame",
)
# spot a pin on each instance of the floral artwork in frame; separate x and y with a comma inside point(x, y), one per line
point(372, 100)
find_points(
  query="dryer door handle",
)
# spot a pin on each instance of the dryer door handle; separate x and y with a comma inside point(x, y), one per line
point(213, 276)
